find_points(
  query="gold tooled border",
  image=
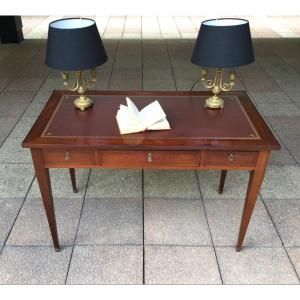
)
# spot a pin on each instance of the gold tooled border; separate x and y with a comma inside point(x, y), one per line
point(52, 117)
point(257, 137)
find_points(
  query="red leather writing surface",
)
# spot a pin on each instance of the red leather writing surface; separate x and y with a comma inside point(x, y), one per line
point(186, 114)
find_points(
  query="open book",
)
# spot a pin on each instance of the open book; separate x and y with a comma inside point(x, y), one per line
point(151, 117)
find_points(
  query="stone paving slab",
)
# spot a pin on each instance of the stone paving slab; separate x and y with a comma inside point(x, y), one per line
point(8, 211)
point(282, 109)
point(224, 217)
point(282, 157)
point(289, 84)
point(263, 85)
point(11, 151)
point(274, 187)
point(61, 184)
point(158, 85)
point(269, 97)
point(170, 184)
point(23, 127)
point(106, 265)
point(34, 110)
point(16, 180)
point(235, 184)
point(180, 265)
point(31, 227)
point(175, 222)
point(286, 216)
point(33, 265)
point(163, 74)
point(34, 70)
point(111, 221)
point(287, 128)
point(294, 253)
point(19, 97)
point(12, 109)
point(256, 266)
point(51, 84)
point(6, 125)
point(125, 84)
point(4, 82)
point(108, 183)
point(24, 84)
point(42, 96)
point(281, 72)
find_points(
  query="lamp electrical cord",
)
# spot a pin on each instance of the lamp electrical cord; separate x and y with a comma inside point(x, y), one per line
point(194, 84)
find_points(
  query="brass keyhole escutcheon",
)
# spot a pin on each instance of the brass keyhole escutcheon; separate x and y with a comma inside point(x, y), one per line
point(67, 155)
point(149, 157)
point(231, 157)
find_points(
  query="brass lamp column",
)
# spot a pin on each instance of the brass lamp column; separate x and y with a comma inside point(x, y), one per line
point(74, 44)
point(217, 85)
point(222, 43)
point(81, 86)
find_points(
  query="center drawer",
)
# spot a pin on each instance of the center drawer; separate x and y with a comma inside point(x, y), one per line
point(149, 158)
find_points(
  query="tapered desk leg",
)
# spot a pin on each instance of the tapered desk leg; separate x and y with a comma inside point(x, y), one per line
point(222, 181)
point(255, 181)
point(73, 179)
point(43, 178)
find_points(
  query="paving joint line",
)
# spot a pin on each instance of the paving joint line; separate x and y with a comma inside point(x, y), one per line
point(112, 68)
point(282, 243)
point(169, 56)
point(17, 215)
point(208, 226)
point(77, 228)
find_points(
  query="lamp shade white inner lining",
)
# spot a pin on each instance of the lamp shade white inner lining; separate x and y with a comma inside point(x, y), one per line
point(225, 22)
point(72, 23)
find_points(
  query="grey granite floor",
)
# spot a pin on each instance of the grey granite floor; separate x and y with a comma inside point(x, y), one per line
point(135, 226)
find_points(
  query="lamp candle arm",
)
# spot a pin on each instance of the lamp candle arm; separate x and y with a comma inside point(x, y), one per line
point(208, 83)
point(71, 87)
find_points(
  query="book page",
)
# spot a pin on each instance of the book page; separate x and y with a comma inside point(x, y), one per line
point(152, 113)
point(133, 111)
point(126, 123)
point(161, 124)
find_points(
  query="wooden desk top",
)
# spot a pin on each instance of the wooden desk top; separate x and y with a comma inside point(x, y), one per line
point(237, 126)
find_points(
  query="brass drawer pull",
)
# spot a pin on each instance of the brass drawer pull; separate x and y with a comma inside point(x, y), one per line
point(67, 155)
point(149, 158)
point(231, 157)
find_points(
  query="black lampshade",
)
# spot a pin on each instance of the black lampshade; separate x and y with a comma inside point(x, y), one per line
point(74, 44)
point(223, 43)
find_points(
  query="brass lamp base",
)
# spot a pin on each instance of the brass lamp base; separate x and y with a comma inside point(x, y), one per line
point(214, 102)
point(83, 102)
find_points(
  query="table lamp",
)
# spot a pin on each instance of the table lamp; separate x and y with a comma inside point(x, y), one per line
point(222, 43)
point(74, 44)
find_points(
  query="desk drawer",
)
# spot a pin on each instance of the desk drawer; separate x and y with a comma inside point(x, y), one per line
point(69, 156)
point(230, 158)
point(149, 158)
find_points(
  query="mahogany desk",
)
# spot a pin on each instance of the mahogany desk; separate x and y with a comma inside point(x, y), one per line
point(235, 138)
